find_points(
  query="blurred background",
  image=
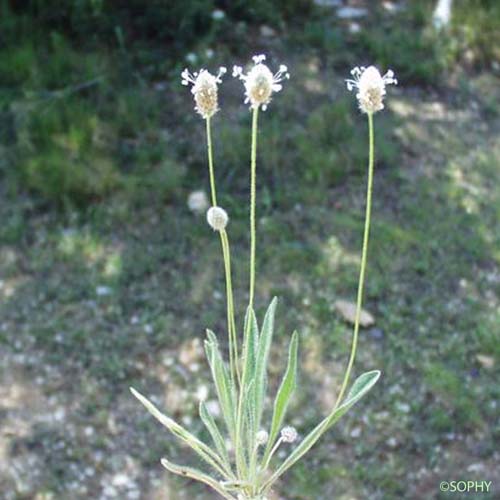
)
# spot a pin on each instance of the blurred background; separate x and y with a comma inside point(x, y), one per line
point(109, 273)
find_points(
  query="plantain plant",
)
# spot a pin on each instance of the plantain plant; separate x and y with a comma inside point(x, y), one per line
point(241, 457)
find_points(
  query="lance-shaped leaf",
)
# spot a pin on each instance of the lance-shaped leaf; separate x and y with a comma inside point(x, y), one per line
point(284, 394)
point(260, 380)
point(212, 428)
point(251, 341)
point(223, 386)
point(360, 387)
point(197, 476)
point(248, 418)
point(246, 396)
point(184, 435)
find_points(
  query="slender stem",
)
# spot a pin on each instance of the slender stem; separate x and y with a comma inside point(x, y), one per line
point(233, 341)
point(267, 460)
point(253, 183)
point(211, 163)
point(231, 325)
point(362, 271)
point(240, 460)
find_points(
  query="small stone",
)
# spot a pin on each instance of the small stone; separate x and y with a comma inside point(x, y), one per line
point(392, 442)
point(356, 432)
point(120, 480)
point(476, 467)
point(351, 12)
point(102, 291)
point(402, 407)
point(487, 362)
point(267, 31)
point(354, 28)
point(88, 431)
point(348, 311)
point(60, 414)
point(190, 352)
point(328, 3)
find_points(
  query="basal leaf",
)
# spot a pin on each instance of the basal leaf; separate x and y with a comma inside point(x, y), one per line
point(212, 428)
point(284, 394)
point(264, 347)
point(184, 435)
point(360, 387)
point(198, 476)
point(223, 385)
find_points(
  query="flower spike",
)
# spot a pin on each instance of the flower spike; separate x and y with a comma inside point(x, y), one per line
point(370, 85)
point(204, 90)
point(260, 82)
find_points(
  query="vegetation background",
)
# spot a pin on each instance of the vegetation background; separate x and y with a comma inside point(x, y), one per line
point(108, 279)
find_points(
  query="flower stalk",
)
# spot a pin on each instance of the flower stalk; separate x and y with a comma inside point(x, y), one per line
point(253, 195)
point(226, 253)
point(364, 257)
point(211, 173)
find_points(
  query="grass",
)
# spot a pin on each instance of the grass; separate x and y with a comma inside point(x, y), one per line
point(106, 277)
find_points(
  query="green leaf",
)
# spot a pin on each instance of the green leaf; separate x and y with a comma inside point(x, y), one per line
point(184, 435)
point(284, 394)
point(212, 428)
point(251, 330)
point(248, 417)
point(246, 394)
point(264, 347)
point(223, 385)
point(360, 387)
point(198, 476)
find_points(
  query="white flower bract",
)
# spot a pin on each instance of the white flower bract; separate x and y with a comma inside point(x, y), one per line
point(260, 82)
point(370, 86)
point(289, 434)
point(204, 90)
point(262, 437)
point(217, 218)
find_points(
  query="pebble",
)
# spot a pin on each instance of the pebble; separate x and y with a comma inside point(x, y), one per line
point(102, 291)
point(402, 407)
point(356, 432)
point(392, 442)
point(351, 12)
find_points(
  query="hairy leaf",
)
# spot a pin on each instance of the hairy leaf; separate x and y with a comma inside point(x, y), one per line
point(212, 428)
point(360, 387)
point(198, 476)
point(284, 394)
point(261, 362)
point(184, 435)
point(223, 385)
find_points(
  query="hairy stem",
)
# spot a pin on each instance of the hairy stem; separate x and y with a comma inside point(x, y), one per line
point(362, 272)
point(233, 341)
point(231, 325)
point(211, 163)
point(253, 183)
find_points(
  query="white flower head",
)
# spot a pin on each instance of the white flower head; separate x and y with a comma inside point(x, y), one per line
point(260, 82)
point(289, 434)
point(217, 218)
point(197, 202)
point(370, 85)
point(262, 437)
point(204, 90)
